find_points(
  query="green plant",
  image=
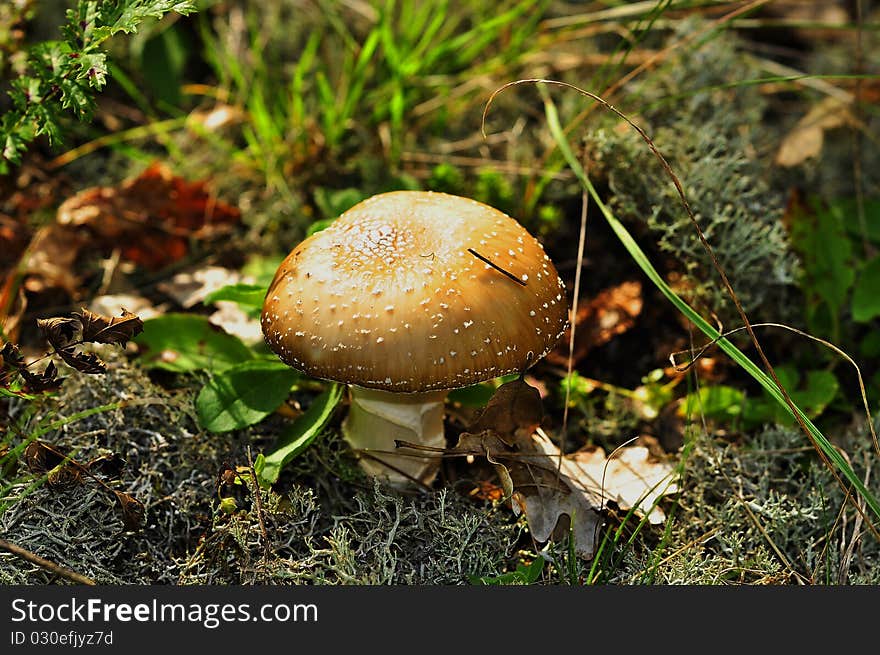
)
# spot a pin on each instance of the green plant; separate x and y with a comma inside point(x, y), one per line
point(318, 87)
point(63, 76)
point(245, 383)
point(524, 574)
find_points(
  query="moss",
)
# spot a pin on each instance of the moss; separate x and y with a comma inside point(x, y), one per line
point(711, 135)
point(324, 524)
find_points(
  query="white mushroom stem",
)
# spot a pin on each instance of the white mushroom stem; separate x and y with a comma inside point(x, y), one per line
point(377, 419)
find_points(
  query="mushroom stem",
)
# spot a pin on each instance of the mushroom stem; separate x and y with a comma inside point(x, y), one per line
point(376, 419)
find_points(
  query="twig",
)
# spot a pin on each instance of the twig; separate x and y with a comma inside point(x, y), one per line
point(259, 503)
point(50, 566)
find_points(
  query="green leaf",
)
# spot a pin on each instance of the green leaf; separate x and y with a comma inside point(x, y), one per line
point(262, 269)
point(813, 394)
point(718, 402)
point(870, 345)
point(866, 294)
point(188, 342)
point(244, 394)
point(299, 435)
point(317, 226)
point(476, 395)
point(247, 295)
point(826, 252)
point(524, 575)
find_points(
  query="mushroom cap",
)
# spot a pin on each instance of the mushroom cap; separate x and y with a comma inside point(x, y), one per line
point(389, 296)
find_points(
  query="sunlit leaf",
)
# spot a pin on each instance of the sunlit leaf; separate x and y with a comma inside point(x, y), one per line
point(244, 394)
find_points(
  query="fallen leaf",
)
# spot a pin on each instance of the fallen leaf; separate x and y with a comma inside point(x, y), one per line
point(11, 356)
point(551, 502)
point(806, 139)
point(191, 287)
point(633, 478)
point(150, 218)
point(49, 262)
point(60, 331)
point(48, 380)
point(82, 362)
point(97, 328)
point(610, 313)
point(515, 409)
point(137, 304)
point(61, 472)
point(40, 458)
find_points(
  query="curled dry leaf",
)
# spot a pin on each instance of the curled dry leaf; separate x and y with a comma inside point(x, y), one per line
point(11, 356)
point(60, 331)
point(82, 362)
point(40, 458)
point(104, 329)
point(514, 410)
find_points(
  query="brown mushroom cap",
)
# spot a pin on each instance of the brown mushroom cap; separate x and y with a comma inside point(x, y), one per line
point(389, 297)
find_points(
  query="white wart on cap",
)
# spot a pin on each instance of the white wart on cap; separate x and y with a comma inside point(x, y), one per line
point(391, 296)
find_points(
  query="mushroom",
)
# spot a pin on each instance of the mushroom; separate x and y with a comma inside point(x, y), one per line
point(405, 296)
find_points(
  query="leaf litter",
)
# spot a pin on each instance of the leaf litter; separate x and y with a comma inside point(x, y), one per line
point(562, 493)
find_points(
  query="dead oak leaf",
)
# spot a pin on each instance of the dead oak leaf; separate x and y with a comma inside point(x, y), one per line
point(560, 493)
point(551, 504)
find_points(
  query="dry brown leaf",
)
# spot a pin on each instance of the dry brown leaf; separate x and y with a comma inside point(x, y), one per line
point(515, 409)
point(82, 362)
point(806, 139)
point(552, 494)
point(150, 218)
point(109, 303)
point(48, 380)
point(49, 260)
point(11, 356)
point(633, 478)
point(60, 331)
point(612, 312)
point(97, 328)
